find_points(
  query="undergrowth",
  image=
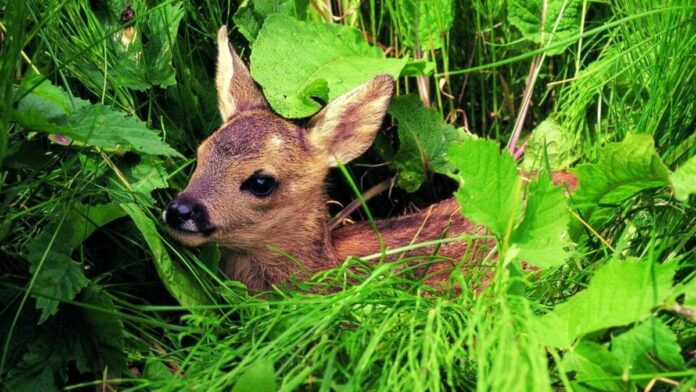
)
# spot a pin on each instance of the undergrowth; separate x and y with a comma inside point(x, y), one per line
point(102, 104)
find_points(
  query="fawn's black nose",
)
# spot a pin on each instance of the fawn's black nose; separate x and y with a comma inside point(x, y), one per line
point(187, 215)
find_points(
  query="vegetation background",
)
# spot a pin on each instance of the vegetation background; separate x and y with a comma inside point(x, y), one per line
point(103, 102)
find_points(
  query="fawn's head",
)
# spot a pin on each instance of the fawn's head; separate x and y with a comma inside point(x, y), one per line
point(258, 177)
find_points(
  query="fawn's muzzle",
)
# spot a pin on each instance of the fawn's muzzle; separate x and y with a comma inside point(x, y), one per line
point(188, 216)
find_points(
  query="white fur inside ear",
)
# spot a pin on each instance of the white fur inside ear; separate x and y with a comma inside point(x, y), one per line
point(223, 76)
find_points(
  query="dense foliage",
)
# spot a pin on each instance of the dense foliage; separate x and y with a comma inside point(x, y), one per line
point(103, 102)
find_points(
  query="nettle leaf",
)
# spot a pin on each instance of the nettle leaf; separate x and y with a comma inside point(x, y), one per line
point(423, 141)
point(596, 368)
point(48, 109)
point(179, 282)
point(250, 16)
point(60, 277)
point(565, 15)
point(548, 140)
point(298, 62)
point(423, 23)
point(623, 169)
point(683, 180)
point(542, 237)
point(620, 293)
point(488, 182)
point(649, 347)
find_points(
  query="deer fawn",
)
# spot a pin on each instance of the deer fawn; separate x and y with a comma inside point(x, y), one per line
point(259, 184)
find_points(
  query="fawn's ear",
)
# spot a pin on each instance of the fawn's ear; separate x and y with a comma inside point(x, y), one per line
point(236, 90)
point(347, 126)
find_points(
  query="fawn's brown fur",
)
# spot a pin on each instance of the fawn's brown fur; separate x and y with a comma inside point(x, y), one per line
point(253, 140)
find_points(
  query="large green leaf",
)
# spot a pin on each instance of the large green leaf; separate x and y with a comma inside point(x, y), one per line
point(623, 169)
point(542, 236)
point(250, 16)
point(423, 23)
point(620, 293)
point(649, 347)
point(60, 277)
point(684, 180)
point(259, 376)
point(297, 63)
point(562, 20)
point(488, 182)
point(596, 369)
point(50, 109)
point(550, 141)
point(179, 282)
point(423, 141)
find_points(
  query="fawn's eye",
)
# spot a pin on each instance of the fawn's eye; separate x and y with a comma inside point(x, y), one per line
point(260, 185)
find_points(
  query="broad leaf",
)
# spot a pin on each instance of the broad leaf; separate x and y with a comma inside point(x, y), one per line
point(423, 141)
point(548, 140)
point(259, 376)
point(488, 182)
point(49, 109)
point(106, 329)
point(623, 169)
point(298, 63)
point(179, 282)
point(684, 180)
point(620, 293)
point(594, 368)
point(423, 23)
point(250, 16)
point(59, 277)
point(649, 347)
point(543, 234)
point(564, 15)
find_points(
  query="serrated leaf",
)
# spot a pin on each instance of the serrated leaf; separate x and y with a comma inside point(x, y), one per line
point(488, 182)
point(423, 141)
point(526, 16)
point(61, 278)
point(423, 23)
point(259, 376)
point(179, 282)
point(623, 169)
point(548, 140)
point(250, 17)
point(649, 347)
point(591, 361)
point(47, 109)
point(683, 180)
point(289, 56)
point(543, 234)
point(106, 329)
point(620, 293)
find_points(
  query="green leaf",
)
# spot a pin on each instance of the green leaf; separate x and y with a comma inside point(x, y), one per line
point(146, 60)
point(550, 139)
point(60, 277)
point(179, 282)
point(488, 182)
point(623, 169)
point(423, 141)
point(48, 109)
point(106, 329)
point(649, 347)
point(296, 62)
point(684, 180)
point(423, 23)
point(563, 14)
point(590, 361)
point(250, 17)
point(543, 234)
point(257, 377)
point(620, 293)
